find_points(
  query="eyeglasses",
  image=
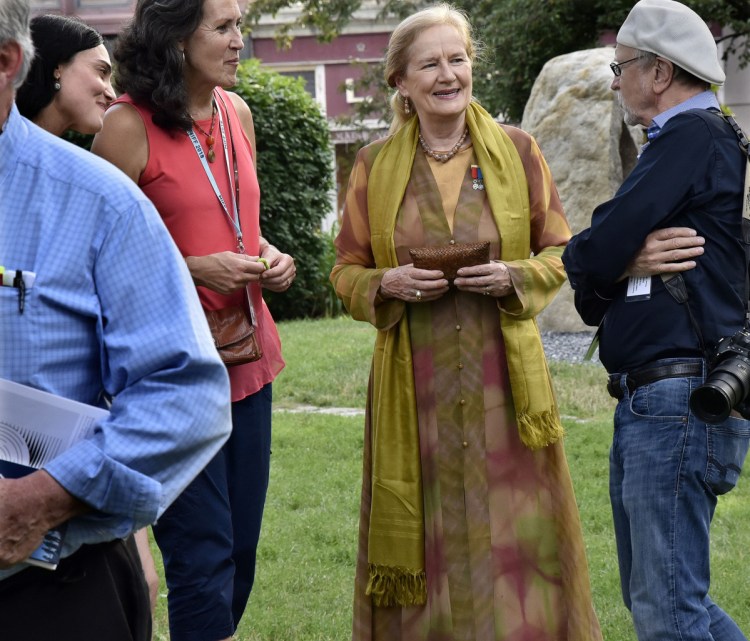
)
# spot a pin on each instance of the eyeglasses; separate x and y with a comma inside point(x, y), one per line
point(616, 67)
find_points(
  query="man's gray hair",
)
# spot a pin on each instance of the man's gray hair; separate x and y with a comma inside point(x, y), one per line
point(647, 58)
point(14, 26)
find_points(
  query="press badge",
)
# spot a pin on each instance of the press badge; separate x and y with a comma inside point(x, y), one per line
point(639, 288)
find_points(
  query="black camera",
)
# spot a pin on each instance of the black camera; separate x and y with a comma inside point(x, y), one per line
point(727, 385)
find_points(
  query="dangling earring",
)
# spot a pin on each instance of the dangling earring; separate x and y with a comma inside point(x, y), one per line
point(57, 86)
point(407, 106)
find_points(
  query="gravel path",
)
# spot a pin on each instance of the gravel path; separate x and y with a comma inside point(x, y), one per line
point(568, 346)
point(558, 346)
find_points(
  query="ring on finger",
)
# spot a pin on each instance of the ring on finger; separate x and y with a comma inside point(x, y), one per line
point(486, 291)
point(418, 294)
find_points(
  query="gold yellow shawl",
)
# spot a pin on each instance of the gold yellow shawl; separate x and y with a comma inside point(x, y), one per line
point(396, 537)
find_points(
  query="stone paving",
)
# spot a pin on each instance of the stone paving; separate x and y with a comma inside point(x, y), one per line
point(312, 409)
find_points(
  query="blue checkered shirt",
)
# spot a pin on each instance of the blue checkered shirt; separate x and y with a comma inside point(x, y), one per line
point(112, 314)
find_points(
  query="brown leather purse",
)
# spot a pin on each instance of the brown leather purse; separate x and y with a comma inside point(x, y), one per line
point(234, 334)
point(450, 258)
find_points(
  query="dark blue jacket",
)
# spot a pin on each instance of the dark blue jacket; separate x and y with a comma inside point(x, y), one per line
point(691, 175)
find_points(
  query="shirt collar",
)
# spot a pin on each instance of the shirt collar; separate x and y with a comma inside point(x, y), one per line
point(703, 100)
point(15, 132)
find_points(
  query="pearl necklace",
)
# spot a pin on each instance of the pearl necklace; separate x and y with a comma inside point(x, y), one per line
point(443, 156)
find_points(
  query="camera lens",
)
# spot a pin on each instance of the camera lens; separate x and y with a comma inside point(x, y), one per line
point(727, 385)
point(712, 403)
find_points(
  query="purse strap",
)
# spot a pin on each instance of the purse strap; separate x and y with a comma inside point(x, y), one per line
point(234, 220)
point(236, 201)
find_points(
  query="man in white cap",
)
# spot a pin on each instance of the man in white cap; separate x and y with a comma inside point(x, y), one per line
point(662, 271)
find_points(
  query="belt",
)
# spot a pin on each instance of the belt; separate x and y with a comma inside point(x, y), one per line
point(650, 374)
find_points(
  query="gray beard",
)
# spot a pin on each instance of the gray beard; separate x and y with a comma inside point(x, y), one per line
point(627, 115)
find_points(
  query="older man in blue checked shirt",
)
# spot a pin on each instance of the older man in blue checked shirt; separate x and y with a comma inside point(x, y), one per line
point(108, 312)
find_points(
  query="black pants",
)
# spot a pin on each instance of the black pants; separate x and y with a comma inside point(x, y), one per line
point(209, 536)
point(97, 594)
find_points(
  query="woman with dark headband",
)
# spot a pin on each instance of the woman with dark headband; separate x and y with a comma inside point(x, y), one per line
point(69, 83)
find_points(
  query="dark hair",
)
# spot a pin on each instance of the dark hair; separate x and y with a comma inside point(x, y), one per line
point(150, 62)
point(57, 39)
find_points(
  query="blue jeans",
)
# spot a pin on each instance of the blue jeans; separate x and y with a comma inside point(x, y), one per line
point(666, 470)
point(209, 536)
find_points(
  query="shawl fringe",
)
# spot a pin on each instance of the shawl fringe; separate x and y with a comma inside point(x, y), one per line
point(539, 430)
point(396, 532)
point(394, 586)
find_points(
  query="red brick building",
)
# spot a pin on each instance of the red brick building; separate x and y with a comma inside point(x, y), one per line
point(326, 67)
point(106, 16)
point(329, 71)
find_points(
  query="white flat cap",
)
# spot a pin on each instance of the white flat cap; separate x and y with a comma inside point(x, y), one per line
point(673, 31)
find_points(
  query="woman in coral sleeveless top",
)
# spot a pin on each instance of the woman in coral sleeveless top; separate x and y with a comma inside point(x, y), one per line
point(190, 146)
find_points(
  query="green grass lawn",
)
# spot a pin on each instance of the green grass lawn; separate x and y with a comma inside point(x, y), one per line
point(303, 587)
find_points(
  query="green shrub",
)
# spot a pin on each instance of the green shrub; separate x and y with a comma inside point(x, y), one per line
point(81, 140)
point(295, 171)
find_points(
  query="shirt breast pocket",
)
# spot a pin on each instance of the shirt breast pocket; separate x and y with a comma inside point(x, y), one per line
point(13, 301)
point(16, 284)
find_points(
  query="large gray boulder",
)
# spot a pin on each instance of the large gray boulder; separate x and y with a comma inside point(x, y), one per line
point(578, 124)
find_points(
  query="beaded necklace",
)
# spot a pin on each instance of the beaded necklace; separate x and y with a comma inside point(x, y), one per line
point(210, 140)
point(446, 155)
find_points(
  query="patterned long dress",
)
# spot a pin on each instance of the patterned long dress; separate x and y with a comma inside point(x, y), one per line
point(503, 545)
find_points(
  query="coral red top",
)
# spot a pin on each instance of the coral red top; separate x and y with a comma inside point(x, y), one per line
point(175, 181)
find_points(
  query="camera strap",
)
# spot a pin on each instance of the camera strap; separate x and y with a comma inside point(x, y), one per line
point(744, 144)
point(675, 283)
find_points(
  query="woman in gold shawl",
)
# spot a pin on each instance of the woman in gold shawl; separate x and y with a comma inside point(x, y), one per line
point(469, 529)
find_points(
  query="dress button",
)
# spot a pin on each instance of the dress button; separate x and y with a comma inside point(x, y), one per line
point(465, 444)
point(458, 328)
point(460, 366)
point(462, 402)
point(453, 242)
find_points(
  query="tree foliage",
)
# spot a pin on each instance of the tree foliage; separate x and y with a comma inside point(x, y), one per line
point(326, 18)
point(519, 35)
point(294, 172)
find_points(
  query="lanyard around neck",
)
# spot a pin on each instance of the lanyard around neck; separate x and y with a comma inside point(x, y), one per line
point(234, 220)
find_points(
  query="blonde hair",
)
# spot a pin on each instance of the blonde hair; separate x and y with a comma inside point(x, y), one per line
point(402, 38)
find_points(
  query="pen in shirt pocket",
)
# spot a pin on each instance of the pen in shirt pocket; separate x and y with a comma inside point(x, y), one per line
point(21, 279)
